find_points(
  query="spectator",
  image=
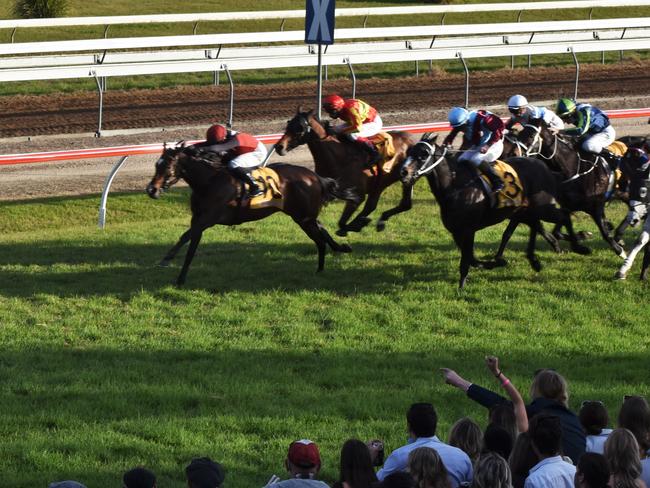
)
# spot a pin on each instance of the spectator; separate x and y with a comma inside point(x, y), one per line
point(492, 471)
point(426, 469)
point(399, 479)
point(66, 484)
point(549, 393)
point(139, 478)
point(466, 435)
point(303, 464)
point(204, 473)
point(522, 459)
point(594, 419)
point(356, 469)
point(622, 455)
point(497, 439)
point(635, 417)
point(592, 471)
point(551, 470)
point(503, 415)
point(421, 421)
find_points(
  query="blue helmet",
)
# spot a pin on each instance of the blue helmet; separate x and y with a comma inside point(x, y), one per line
point(458, 116)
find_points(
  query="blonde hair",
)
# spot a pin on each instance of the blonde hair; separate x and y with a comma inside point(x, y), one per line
point(551, 385)
point(427, 469)
point(466, 435)
point(622, 454)
point(492, 471)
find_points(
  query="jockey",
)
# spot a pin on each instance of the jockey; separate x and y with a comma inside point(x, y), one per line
point(482, 140)
point(361, 121)
point(240, 151)
point(523, 113)
point(591, 124)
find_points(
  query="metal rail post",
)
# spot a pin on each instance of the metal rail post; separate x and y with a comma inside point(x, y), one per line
point(354, 77)
point(101, 104)
point(107, 187)
point(575, 60)
point(232, 94)
point(460, 56)
point(512, 58)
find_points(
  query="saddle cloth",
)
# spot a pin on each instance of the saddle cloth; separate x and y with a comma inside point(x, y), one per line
point(512, 194)
point(269, 181)
point(383, 141)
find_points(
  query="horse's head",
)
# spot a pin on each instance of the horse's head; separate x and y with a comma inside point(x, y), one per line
point(298, 131)
point(422, 158)
point(533, 137)
point(635, 163)
point(167, 171)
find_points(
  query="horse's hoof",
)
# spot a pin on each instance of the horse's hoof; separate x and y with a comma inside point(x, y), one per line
point(341, 232)
point(619, 241)
point(622, 254)
point(580, 249)
point(619, 275)
point(500, 262)
point(320, 270)
point(381, 225)
point(164, 263)
point(344, 248)
point(644, 275)
point(583, 235)
point(535, 264)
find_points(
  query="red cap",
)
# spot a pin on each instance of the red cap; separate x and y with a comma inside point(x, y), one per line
point(304, 454)
point(333, 102)
point(216, 134)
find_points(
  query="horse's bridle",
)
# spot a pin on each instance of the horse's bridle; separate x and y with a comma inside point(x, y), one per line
point(428, 165)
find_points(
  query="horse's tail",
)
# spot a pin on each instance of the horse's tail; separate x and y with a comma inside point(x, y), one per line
point(332, 190)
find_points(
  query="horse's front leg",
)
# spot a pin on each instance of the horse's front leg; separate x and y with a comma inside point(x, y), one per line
point(405, 204)
point(195, 237)
point(466, 244)
point(599, 217)
point(174, 250)
point(348, 210)
point(361, 220)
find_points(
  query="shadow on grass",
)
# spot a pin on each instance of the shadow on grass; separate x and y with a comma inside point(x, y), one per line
point(57, 267)
point(102, 411)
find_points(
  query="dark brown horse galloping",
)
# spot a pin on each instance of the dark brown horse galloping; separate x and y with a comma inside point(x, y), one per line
point(584, 186)
point(218, 198)
point(465, 207)
point(346, 163)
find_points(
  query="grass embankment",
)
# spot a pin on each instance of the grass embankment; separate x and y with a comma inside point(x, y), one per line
point(105, 365)
point(124, 7)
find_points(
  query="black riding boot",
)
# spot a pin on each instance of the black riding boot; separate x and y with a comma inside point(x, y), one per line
point(244, 175)
point(373, 155)
point(495, 180)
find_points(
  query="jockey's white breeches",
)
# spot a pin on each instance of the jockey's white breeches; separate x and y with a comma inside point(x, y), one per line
point(597, 142)
point(367, 130)
point(251, 159)
point(475, 157)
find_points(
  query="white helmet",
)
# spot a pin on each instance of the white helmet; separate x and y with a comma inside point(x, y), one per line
point(517, 101)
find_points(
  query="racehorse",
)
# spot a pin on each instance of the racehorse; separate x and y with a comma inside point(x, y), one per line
point(585, 185)
point(346, 163)
point(636, 166)
point(465, 206)
point(219, 198)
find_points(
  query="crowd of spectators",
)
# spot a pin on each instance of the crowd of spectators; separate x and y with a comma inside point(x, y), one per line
point(541, 444)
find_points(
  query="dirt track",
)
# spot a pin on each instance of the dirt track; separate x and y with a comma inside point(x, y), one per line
point(45, 123)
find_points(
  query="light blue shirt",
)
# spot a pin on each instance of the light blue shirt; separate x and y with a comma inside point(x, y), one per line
point(553, 471)
point(596, 443)
point(645, 470)
point(456, 461)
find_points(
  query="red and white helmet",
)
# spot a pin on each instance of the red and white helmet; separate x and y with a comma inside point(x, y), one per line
point(333, 103)
point(216, 134)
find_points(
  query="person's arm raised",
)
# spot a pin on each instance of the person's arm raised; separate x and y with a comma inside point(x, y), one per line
point(521, 416)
